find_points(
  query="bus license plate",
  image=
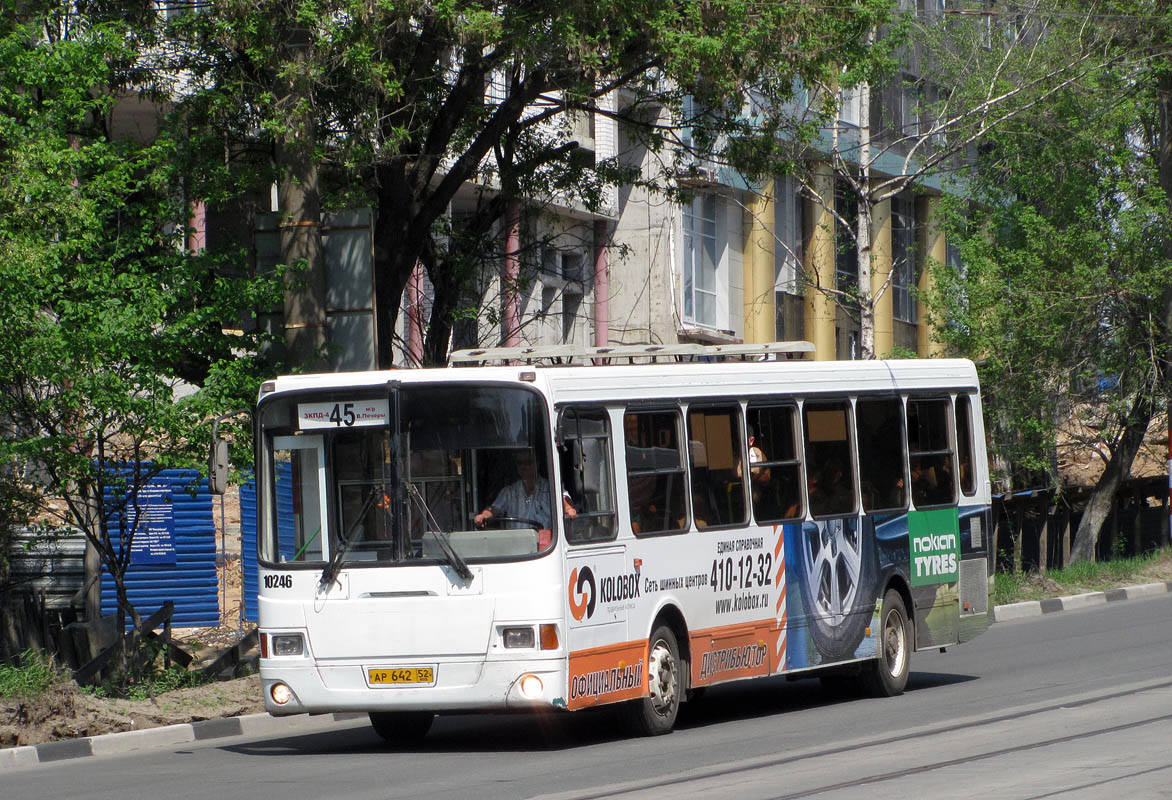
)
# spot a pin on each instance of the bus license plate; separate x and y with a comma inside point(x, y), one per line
point(401, 676)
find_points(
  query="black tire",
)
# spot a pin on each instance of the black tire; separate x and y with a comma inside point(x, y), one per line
point(886, 676)
point(656, 714)
point(836, 599)
point(401, 727)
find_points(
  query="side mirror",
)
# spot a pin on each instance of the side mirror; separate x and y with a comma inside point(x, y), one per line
point(218, 467)
point(218, 457)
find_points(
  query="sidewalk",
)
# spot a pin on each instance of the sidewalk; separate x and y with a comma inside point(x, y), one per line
point(266, 725)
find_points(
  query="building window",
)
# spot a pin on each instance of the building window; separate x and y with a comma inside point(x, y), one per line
point(903, 259)
point(564, 264)
point(571, 311)
point(701, 260)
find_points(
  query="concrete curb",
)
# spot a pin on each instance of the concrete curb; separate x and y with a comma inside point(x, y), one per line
point(112, 744)
point(1035, 608)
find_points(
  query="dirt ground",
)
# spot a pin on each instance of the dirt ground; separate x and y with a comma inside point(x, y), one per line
point(66, 712)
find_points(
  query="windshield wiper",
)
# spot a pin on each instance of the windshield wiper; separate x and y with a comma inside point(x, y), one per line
point(455, 559)
point(331, 571)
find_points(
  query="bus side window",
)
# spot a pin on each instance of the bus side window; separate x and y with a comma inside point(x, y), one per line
point(655, 472)
point(930, 452)
point(714, 457)
point(587, 478)
point(830, 475)
point(775, 471)
point(882, 458)
point(964, 444)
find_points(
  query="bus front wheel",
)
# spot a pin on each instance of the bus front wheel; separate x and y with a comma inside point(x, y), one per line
point(887, 675)
point(656, 714)
point(401, 727)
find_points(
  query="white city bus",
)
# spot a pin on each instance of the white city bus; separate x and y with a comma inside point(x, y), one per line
point(554, 534)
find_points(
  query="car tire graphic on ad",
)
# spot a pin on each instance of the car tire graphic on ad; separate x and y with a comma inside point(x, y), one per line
point(837, 583)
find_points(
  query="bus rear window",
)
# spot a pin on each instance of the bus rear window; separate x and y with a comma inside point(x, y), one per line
point(930, 452)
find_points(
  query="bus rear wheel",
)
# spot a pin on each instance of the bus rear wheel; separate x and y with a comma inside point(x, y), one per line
point(887, 675)
point(656, 714)
point(401, 727)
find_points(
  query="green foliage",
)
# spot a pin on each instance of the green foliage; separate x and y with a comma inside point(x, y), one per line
point(409, 103)
point(1062, 236)
point(32, 675)
point(115, 346)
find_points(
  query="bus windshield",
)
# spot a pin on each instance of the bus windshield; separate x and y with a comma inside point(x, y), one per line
point(389, 476)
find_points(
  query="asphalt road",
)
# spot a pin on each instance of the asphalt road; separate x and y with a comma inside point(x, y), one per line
point(1076, 704)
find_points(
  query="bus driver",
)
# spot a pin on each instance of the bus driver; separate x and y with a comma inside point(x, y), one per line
point(525, 499)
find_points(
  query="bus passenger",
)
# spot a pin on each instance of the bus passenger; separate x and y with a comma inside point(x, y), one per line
point(830, 492)
point(758, 476)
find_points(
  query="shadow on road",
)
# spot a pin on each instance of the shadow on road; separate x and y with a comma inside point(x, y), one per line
point(514, 733)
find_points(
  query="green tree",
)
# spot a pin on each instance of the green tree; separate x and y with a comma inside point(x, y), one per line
point(410, 103)
point(948, 78)
point(1064, 292)
point(113, 351)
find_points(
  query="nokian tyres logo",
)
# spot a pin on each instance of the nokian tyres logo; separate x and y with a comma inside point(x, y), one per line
point(934, 542)
point(583, 593)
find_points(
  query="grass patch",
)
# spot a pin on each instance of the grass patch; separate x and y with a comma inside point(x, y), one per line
point(157, 683)
point(31, 676)
point(168, 680)
point(1084, 577)
point(1008, 587)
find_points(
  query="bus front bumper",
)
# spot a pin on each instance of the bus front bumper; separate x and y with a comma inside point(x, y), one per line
point(458, 686)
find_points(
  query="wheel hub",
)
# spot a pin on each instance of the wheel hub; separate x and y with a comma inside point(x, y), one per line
point(663, 682)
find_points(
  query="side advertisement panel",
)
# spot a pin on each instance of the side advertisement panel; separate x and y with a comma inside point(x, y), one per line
point(834, 570)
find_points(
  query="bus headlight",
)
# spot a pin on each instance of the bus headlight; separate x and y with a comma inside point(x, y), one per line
point(288, 644)
point(518, 637)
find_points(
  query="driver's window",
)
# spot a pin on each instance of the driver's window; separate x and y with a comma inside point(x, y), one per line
point(584, 463)
point(514, 490)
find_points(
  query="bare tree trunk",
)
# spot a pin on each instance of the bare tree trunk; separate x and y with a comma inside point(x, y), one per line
point(1098, 509)
point(447, 289)
point(300, 223)
point(301, 243)
point(865, 224)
